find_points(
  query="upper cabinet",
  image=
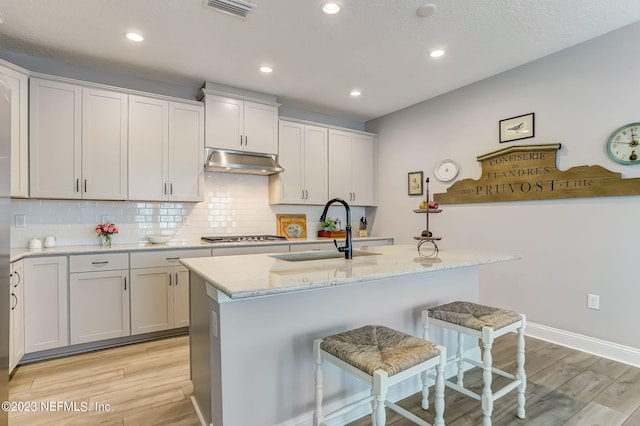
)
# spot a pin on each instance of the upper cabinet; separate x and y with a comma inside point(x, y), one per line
point(352, 167)
point(166, 144)
point(303, 154)
point(240, 124)
point(18, 80)
point(78, 141)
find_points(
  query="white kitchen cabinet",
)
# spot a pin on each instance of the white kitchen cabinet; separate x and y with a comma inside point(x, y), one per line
point(240, 125)
point(18, 80)
point(16, 316)
point(46, 306)
point(160, 290)
point(98, 297)
point(166, 143)
point(78, 141)
point(352, 167)
point(303, 154)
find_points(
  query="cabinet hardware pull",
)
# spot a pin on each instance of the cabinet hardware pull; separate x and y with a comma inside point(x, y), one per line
point(125, 283)
point(77, 184)
point(100, 263)
point(354, 196)
point(16, 299)
point(172, 259)
point(171, 188)
point(302, 194)
point(240, 140)
point(85, 185)
point(19, 279)
point(170, 279)
point(306, 194)
point(246, 140)
point(176, 278)
point(165, 188)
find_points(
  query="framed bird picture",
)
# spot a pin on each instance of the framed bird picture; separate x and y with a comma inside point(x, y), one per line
point(515, 128)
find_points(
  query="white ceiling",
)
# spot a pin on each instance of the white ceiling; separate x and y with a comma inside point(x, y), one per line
point(378, 46)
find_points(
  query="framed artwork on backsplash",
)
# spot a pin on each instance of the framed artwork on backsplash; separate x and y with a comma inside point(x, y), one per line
point(292, 225)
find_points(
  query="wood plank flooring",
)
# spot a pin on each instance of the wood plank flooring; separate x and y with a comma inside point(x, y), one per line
point(148, 384)
point(144, 384)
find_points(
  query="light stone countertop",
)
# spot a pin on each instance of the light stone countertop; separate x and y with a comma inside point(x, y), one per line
point(20, 253)
point(256, 275)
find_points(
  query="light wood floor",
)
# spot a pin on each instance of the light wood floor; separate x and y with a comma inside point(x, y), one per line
point(148, 384)
point(144, 383)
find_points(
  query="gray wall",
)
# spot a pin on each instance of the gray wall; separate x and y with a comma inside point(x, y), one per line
point(570, 247)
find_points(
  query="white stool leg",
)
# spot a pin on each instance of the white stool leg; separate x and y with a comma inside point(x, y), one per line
point(520, 373)
point(487, 396)
point(373, 406)
point(439, 388)
point(425, 388)
point(460, 356)
point(380, 387)
point(317, 414)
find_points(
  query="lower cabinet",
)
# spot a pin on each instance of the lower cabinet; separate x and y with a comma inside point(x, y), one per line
point(16, 316)
point(46, 303)
point(160, 290)
point(98, 297)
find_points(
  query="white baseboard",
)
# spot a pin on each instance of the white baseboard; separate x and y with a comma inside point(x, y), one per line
point(602, 348)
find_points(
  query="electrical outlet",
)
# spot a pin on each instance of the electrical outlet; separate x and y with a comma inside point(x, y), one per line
point(593, 301)
point(20, 220)
point(107, 218)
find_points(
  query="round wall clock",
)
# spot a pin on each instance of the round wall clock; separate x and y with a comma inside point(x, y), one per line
point(446, 170)
point(622, 145)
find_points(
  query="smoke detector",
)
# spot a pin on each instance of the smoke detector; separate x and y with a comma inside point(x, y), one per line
point(232, 7)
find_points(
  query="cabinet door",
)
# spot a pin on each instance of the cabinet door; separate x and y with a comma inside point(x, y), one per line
point(223, 122)
point(181, 296)
point(19, 84)
point(260, 128)
point(148, 145)
point(288, 187)
point(104, 144)
point(340, 165)
point(16, 318)
point(98, 305)
point(186, 152)
point(55, 145)
point(363, 176)
point(151, 300)
point(45, 303)
point(315, 165)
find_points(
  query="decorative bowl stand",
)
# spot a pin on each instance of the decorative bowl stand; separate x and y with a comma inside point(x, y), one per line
point(429, 238)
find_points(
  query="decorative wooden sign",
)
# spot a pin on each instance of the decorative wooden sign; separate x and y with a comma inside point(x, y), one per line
point(529, 172)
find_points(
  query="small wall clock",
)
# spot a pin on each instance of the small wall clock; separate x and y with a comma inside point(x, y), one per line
point(622, 145)
point(446, 170)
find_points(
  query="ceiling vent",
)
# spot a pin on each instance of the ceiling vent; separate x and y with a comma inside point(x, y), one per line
point(233, 7)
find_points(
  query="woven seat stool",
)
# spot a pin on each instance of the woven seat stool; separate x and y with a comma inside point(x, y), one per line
point(381, 357)
point(485, 323)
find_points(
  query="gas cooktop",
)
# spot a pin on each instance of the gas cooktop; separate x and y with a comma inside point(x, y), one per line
point(243, 238)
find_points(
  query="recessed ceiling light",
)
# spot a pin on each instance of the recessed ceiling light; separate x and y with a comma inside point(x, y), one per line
point(426, 11)
point(134, 36)
point(331, 7)
point(355, 93)
point(265, 69)
point(436, 53)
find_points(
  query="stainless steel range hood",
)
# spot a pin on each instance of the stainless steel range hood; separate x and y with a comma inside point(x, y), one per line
point(226, 161)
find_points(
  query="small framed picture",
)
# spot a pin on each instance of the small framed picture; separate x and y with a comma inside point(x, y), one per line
point(515, 128)
point(415, 183)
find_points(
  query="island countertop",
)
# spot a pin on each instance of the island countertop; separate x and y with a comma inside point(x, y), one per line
point(247, 276)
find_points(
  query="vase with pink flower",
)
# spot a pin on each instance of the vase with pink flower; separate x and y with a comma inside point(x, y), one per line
point(105, 231)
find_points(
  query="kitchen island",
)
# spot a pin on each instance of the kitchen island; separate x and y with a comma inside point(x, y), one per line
point(254, 318)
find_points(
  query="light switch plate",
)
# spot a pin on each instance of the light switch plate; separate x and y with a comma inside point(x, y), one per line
point(107, 218)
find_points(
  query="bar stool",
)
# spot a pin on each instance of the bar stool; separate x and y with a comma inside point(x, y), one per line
point(380, 357)
point(485, 323)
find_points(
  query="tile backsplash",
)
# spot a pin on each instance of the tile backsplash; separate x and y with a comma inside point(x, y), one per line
point(233, 204)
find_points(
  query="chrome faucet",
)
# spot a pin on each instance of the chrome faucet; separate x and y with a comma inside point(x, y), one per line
point(347, 248)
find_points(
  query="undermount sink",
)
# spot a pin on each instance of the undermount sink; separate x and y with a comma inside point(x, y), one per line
point(318, 255)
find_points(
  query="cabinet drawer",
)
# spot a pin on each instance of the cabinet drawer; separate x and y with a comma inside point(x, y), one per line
point(161, 258)
point(98, 262)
